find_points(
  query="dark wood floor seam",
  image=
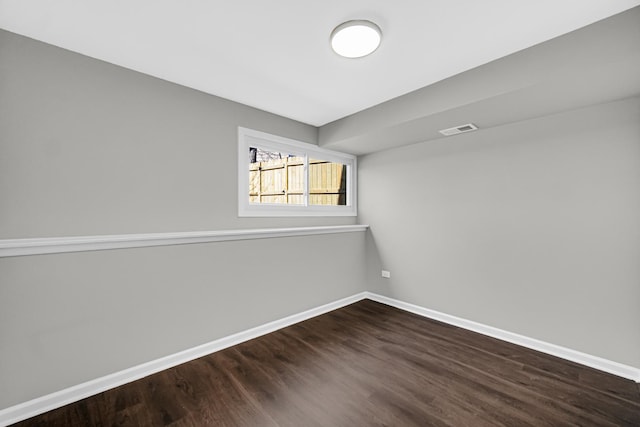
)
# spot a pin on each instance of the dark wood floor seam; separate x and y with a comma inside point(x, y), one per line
point(541, 371)
point(366, 364)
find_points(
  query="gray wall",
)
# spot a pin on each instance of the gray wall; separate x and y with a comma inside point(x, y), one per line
point(532, 227)
point(69, 318)
point(88, 148)
point(91, 148)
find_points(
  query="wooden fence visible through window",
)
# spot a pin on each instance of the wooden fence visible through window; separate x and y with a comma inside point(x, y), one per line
point(282, 181)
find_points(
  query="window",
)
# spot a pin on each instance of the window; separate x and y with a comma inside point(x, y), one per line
point(283, 177)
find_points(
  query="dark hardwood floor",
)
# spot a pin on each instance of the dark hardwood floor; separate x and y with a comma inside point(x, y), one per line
point(365, 365)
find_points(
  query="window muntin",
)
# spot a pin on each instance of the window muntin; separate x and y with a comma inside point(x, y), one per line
point(283, 177)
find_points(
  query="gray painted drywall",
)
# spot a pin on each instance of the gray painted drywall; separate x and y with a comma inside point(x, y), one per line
point(70, 318)
point(88, 148)
point(532, 227)
point(91, 148)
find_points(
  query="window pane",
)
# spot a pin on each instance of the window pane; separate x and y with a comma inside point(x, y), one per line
point(327, 183)
point(282, 181)
point(275, 177)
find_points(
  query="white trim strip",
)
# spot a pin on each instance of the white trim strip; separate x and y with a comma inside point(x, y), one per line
point(31, 408)
point(60, 398)
point(50, 245)
point(595, 362)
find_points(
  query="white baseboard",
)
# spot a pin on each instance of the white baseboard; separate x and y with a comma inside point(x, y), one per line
point(595, 362)
point(60, 398)
point(37, 406)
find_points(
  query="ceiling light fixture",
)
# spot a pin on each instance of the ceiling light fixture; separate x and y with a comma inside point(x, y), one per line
point(355, 39)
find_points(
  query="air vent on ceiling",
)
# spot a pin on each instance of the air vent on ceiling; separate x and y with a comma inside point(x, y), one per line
point(459, 129)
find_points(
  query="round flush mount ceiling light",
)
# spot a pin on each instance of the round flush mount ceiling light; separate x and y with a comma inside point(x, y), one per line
point(355, 39)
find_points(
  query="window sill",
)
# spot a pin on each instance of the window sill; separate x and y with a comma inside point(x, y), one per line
point(293, 211)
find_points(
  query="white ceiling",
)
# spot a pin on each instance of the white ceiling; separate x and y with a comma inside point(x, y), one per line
point(275, 55)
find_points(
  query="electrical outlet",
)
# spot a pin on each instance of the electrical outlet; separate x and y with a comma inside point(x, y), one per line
point(386, 274)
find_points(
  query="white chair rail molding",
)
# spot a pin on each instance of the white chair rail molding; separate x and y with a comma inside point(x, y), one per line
point(50, 245)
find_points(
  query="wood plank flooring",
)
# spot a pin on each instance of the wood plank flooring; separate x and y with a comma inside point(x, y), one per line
point(365, 365)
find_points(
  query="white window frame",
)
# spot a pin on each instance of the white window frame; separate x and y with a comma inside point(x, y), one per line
point(253, 138)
